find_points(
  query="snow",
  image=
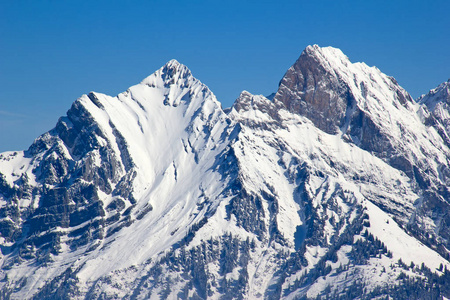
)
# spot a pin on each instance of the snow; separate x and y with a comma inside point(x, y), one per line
point(402, 245)
point(167, 174)
point(436, 96)
point(13, 164)
point(383, 184)
point(173, 127)
point(174, 130)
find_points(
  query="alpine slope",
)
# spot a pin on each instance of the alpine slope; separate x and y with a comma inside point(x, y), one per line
point(337, 187)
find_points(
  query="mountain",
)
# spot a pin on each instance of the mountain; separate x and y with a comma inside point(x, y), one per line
point(335, 187)
point(371, 111)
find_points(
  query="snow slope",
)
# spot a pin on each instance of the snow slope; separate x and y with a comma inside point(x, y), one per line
point(173, 129)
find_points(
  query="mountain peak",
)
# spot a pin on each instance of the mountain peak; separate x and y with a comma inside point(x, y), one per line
point(314, 88)
point(325, 86)
point(254, 109)
point(175, 65)
point(173, 62)
point(329, 54)
point(173, 72)
point(440, 94)
point(310, 49)
point(324, 50)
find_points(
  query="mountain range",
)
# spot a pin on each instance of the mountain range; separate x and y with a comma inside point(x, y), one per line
point(335, 187)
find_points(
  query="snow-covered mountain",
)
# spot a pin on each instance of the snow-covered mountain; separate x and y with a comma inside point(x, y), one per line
point(437, 114)
point(337, 186)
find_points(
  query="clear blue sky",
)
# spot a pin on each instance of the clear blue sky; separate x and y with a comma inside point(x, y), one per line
point(51, 52)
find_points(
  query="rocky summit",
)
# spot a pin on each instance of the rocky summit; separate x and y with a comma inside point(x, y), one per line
point(337, 187)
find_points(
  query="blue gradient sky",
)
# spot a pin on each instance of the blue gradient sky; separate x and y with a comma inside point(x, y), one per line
point(51, 52)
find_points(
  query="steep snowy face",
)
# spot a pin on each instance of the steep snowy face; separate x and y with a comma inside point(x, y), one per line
point(147, 155)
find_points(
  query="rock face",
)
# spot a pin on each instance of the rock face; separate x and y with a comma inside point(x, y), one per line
point(337, 187)
point(313, 89)
point(341, 97)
